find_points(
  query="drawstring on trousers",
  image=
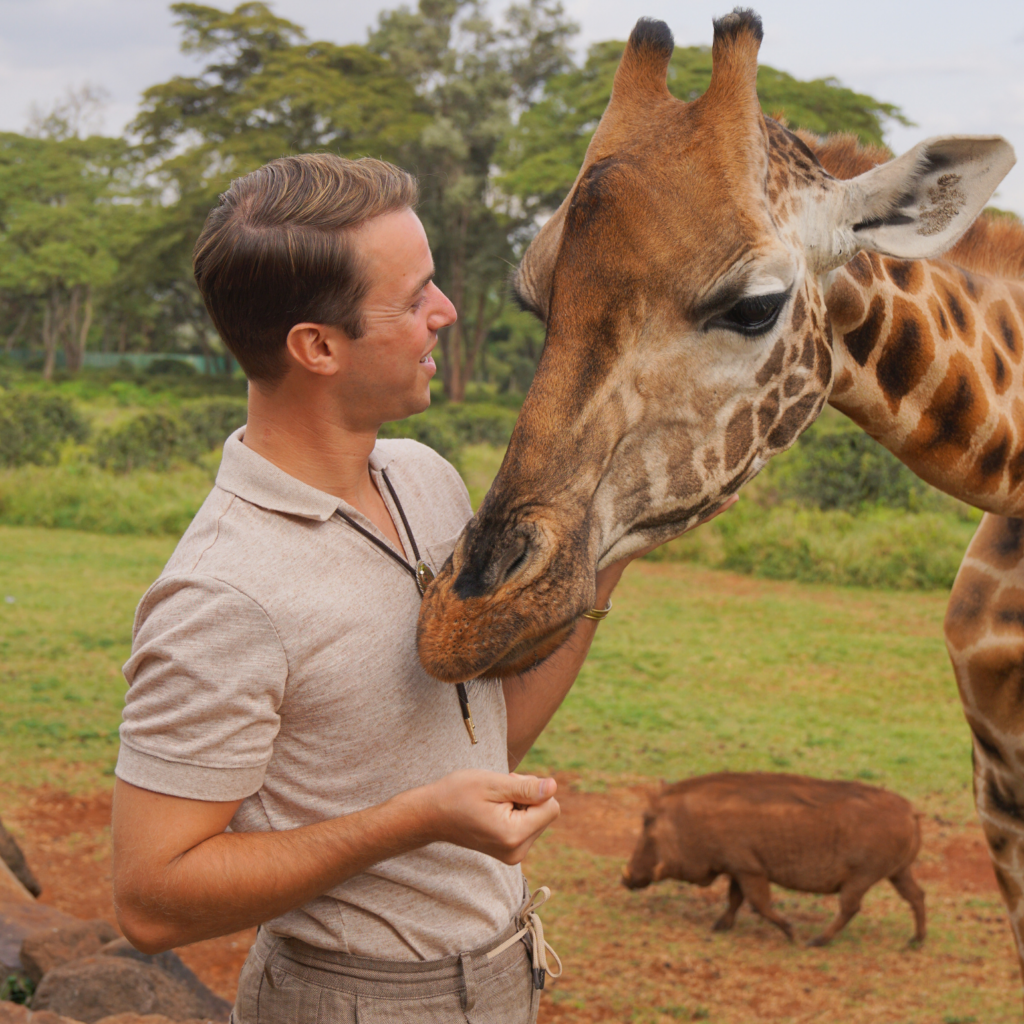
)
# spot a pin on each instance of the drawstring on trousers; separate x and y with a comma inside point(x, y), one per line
point(534, 927)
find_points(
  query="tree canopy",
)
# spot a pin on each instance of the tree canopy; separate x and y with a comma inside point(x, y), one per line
point(545, 148)
point(491, 112)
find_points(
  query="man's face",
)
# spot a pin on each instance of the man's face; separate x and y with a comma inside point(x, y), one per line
point(388, 370)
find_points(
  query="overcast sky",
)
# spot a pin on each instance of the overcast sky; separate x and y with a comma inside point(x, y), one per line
point(954, 67)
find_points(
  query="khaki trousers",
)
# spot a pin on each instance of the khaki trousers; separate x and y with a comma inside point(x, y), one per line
point(286, 981)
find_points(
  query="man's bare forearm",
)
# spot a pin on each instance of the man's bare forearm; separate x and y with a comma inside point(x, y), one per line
point(179, 877)
point(531, 699)
point(232, 881)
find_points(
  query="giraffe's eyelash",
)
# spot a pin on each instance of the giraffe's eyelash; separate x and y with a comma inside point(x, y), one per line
point(753, 316)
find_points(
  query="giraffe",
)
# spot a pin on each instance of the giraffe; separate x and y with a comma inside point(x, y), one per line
point(710, 281)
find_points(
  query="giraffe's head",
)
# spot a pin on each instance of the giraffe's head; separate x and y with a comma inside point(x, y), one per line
point(681, 283)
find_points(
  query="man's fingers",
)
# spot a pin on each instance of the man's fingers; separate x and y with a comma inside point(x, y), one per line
point(532, 821)
point(528, 789)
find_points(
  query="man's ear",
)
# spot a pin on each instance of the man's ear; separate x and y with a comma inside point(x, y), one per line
point(316, 347)
point(918, 205)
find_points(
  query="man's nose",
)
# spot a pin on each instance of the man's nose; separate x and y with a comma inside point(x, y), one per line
point(446, 314)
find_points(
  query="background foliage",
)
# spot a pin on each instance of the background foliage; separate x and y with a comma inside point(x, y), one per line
point(492, 112)
point(128, 453)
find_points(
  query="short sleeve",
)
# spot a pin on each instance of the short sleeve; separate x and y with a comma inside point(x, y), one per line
point(206, 679)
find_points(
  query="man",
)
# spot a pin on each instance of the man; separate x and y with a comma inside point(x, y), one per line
point(285, 760)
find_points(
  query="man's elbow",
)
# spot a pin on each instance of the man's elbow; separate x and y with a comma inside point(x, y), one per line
point(145, 930)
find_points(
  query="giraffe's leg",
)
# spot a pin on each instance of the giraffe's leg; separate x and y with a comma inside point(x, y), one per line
point(906, 885)
point(758, 892)
point(985, 638)
point(726, 921)
point(850, 896)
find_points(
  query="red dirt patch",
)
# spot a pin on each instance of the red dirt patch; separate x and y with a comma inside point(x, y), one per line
point(66, 840)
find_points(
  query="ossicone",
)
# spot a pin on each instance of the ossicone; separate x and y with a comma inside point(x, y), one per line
point(644, 67)
point(741, 21)
point(652, 37)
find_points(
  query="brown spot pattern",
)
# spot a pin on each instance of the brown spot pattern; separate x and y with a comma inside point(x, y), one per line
point(792, 422)
point(957, 409)
point(739, 437)
point(843, 383)
point(860, 341)
point(859, 268)
point(768, 411)
point(773, 364)
point(799, 313)
point(907, 354)
point(907, 275)
point(966, 617)
point(986, 475)
point(994, 365)
point(845, 304)
point(1002, 323)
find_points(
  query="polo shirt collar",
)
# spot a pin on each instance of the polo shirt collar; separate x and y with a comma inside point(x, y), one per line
point(253, 478)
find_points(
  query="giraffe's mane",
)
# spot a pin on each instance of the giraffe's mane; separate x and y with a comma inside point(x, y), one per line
point(993, 244)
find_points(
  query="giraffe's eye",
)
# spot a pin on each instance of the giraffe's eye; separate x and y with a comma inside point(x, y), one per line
point(752, 316)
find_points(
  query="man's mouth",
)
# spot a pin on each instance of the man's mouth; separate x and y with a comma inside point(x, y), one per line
point(428, 361)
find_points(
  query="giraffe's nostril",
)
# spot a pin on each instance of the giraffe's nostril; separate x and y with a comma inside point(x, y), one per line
point(519, 555)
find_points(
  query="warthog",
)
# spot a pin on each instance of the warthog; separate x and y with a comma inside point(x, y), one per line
point(804, 834)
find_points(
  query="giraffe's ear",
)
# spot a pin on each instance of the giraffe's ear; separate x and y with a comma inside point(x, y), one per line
point(918, 206)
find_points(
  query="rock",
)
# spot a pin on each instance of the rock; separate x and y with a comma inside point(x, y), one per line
point(207, 1003)
point(47, 948)
point(11, 855)
point(11, 888)
point(100, 986)
point(12, 1013)
point(19, 919)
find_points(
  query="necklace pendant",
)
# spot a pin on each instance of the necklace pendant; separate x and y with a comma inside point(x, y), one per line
point(424, 576)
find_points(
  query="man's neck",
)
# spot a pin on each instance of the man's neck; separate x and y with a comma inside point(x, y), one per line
point(301, 435)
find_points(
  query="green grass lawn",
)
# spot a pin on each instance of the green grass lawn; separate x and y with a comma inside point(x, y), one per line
point(66, 605)
point(696, 670)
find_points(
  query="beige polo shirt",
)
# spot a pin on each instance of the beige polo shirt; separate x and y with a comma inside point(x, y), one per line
point(274, 662)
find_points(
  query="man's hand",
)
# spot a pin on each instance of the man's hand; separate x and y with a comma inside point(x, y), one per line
point(500, 815)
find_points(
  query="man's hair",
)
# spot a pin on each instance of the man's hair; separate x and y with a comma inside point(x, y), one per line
point(275, 252)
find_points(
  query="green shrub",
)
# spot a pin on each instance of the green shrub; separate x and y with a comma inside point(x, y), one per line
point(34, 428)
point(433, 430)
point(447, 428)
point(151, 440)
point(845, 468)
point(171, 368)
point(881, 547)
point(213, 420)
point(156, 440)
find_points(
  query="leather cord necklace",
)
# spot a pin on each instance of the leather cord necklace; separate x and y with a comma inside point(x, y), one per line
point(422, 574)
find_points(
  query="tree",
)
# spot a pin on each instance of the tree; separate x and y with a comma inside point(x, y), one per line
point(474, 78)
point(265, 91)
point(545, 150)
point(60, 232)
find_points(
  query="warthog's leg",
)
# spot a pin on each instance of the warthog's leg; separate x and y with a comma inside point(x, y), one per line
point(726, 921)
point(758, 892)
point(903, 882)
point(850, 896)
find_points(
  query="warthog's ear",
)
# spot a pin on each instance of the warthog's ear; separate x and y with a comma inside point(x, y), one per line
point(914, 207)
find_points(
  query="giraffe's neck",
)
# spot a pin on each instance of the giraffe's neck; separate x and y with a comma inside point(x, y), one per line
point(929, 360)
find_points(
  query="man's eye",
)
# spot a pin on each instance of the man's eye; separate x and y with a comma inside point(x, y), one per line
point(752, 316)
